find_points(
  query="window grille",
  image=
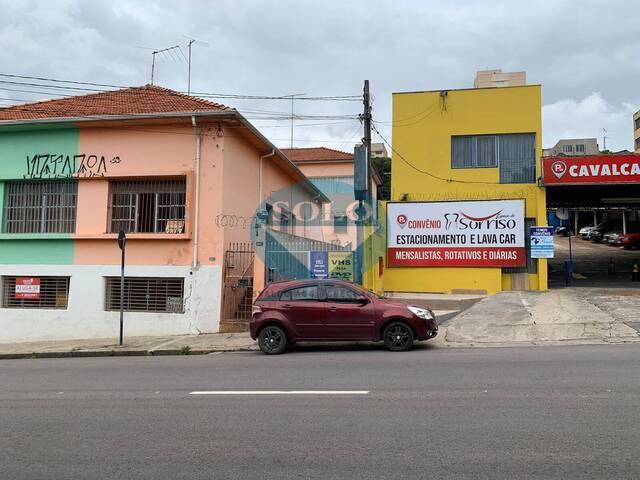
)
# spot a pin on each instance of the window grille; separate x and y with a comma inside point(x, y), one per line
point(514, 153)
point(40, 207)
point(53, 293)
point(156, 206)
point(146, 294)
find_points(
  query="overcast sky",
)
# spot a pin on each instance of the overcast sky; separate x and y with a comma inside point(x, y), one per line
point(586, 55)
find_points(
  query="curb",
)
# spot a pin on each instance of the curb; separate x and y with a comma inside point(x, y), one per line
point(120, 353)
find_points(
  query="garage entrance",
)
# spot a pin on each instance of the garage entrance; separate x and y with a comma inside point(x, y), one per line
point(600, 190)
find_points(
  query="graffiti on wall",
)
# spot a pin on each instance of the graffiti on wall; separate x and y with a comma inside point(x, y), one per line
point(51, 165)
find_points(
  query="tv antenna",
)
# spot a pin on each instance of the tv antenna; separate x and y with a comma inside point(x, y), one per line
point(604, 139)
point(191, 42)
point(292, 97)
point(153, 58)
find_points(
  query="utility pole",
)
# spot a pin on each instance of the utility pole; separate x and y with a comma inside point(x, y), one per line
point(122, 241)
point(366, 122)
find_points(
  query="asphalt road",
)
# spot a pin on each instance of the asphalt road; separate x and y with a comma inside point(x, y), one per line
point(537, 412)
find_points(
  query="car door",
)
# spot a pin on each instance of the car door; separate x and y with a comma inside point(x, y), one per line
point(305, 311)
point(346, 318)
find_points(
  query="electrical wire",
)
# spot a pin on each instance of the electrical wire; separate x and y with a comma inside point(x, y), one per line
point(425, 172)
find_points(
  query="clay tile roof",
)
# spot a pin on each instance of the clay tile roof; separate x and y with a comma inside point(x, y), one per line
point(149, 99)
point(316, 154)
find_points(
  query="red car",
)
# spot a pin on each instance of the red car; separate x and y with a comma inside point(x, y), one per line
point(630, 240)
point(335, 310)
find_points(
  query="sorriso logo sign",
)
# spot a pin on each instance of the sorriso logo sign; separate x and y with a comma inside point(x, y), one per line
point(481, 234)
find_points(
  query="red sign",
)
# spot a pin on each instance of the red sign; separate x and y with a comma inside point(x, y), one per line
point(591, 169)
point(27, 288)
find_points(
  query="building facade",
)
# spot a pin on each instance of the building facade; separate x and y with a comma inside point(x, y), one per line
point(473, 145)
point(636, 131)
point(498, 78)
point(182, 177)
point(573, 147)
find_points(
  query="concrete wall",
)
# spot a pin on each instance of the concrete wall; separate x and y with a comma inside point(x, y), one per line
point(85, 315)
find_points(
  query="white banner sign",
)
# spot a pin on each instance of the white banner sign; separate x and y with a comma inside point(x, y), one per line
point(437, 234)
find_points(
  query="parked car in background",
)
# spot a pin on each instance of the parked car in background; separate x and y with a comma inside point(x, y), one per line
point(597, 232)
point(335, 310)
point(562, 230)
point(630, 240)
point(612, 237)
point(584, 232)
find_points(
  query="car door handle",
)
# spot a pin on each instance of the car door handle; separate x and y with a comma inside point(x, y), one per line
point(286, 305)
point(333, 309)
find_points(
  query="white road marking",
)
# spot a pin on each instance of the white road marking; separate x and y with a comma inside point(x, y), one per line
point(280, 392)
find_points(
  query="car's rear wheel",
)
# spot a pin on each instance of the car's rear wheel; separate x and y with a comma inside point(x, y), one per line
point(272, 340)
point(398, 337)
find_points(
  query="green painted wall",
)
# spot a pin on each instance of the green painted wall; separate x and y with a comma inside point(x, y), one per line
point(43, 252)
point(17, 144)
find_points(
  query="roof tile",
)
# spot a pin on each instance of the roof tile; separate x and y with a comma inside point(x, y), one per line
point(129, 101)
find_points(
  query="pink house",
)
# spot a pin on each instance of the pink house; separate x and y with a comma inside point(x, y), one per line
point(183, 177)
point(332, 172)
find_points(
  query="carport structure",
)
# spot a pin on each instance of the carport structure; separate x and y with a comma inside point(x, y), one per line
point(595, 188)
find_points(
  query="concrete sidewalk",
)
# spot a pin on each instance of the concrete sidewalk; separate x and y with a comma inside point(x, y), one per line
point(568, 316)
point(106, 347)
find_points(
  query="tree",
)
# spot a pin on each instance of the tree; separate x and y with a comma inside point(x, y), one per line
point(382, 165)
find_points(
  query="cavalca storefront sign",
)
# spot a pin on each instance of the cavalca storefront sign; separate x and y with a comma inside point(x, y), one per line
point(460, 234)
point(594, 169)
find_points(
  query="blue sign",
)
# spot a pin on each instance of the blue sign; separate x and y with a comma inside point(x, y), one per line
point(541, 242)
point(319, 264)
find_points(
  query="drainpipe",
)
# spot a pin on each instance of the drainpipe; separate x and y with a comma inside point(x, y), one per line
point(196, 223)
point(261, 175)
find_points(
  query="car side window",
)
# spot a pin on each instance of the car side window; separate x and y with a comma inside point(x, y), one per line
point(336, 293)
point(301, 294)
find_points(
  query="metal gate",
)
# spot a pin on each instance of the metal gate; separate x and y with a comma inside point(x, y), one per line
point(237, 287)
point(286, 256)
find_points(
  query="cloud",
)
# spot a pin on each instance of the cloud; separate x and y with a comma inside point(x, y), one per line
point(330, 47)
point(586, 118)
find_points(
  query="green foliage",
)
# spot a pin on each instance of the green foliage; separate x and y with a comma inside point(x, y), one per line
point(186, 350)
point(383, 167)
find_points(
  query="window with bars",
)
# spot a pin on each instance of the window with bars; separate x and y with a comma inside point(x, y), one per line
point(35, 292)
point(513, 153)
point(150, 206)
point(143, 294)
point(40, 207)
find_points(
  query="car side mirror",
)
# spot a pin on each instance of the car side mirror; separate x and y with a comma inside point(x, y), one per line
point(362, 300)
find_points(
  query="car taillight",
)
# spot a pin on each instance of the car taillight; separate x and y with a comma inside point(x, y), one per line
point(255, 309)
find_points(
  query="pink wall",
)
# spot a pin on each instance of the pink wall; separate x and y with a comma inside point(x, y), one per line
point(328, 169)
point(149, 152)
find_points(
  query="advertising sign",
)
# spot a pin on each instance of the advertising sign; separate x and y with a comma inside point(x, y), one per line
point(456, 234)
point(27, 288)
point(591, 169)
point(341, 265)
point(541, 242)
point(319, 264)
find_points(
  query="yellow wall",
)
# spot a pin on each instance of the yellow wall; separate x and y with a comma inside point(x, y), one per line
point(423, 124)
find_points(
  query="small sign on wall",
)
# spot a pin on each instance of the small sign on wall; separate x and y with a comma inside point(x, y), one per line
point(27, 288)
point(541, 242)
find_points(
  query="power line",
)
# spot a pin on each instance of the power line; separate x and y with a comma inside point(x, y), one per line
point(83, 87)
point(425, 172)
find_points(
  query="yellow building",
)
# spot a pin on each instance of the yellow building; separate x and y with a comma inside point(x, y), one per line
point(469, 145)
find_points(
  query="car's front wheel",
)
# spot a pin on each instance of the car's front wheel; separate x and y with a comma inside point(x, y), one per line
point(272, 340)
point(398, 337)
